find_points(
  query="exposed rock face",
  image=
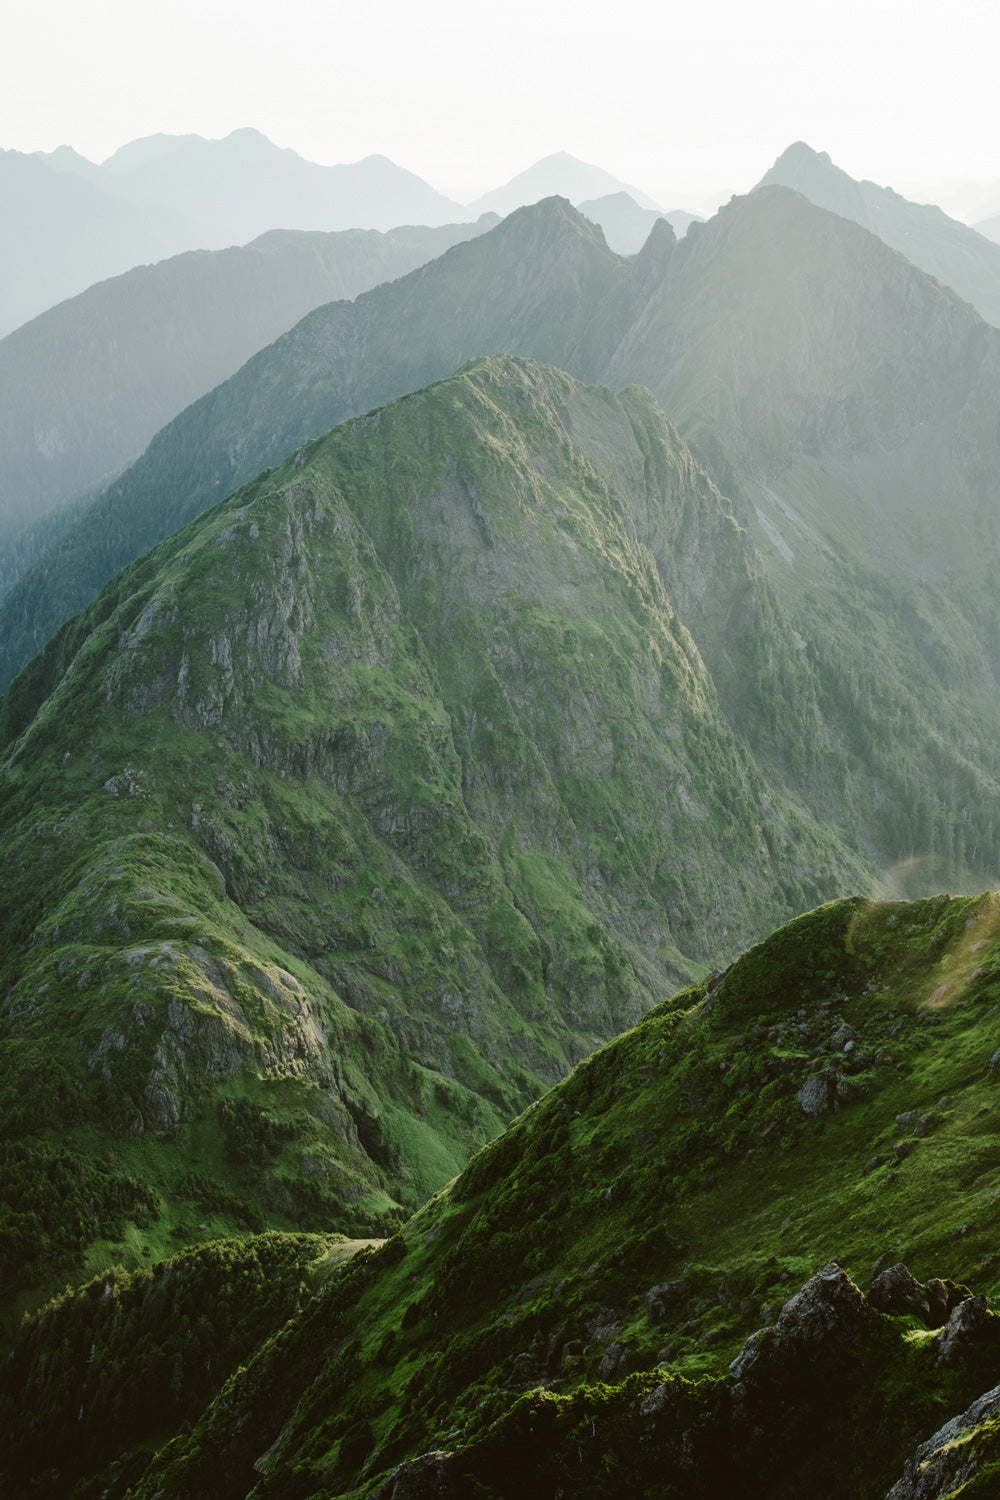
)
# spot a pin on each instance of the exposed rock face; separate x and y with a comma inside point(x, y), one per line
point(897, 1291)
point(429, 1477)
point(818, 1095)
point(970, 1323)
point(948, 1461)
point(829, 1312)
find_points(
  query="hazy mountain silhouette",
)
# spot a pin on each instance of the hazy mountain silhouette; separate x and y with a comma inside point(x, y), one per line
point(239, 187)
point(627, 226)
point(84, 386)
point(69, 223)
point(559, 175)
point(962, 258)
point(61, 231)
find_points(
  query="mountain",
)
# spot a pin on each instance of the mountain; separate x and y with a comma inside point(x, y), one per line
point(626, 226)
point(838, 396)
point(990, 228)
point(559, 175)
point(761, 1243)
point(65, 159)
point(69, 223)
point(369, 803)
point(61, 231)
point(85, 386)
point(241, 186)
point(966, 259)
point(520, 291)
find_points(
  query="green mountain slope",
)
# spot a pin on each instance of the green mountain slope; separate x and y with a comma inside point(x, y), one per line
point(838, 396)
point(361, 809)
point(85, 386)
point(824, 1109)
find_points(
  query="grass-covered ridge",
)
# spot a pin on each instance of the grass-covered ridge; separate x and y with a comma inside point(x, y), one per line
point(570, 1305)
point(357, 813)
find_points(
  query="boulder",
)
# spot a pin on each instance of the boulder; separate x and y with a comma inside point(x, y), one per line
point(664, 1295)
point(615, 1363)
point(828, 1313)
point(817, 1096)
point(896, 1290)
point(971, 1322)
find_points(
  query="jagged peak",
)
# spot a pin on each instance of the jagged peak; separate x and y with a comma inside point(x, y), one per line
point(553, 213)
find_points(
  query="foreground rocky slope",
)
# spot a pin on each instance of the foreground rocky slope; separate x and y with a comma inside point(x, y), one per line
point(820, 1116)
point(356, 813)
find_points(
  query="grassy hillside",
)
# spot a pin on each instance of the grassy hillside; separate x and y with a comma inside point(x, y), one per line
point(829, 1098)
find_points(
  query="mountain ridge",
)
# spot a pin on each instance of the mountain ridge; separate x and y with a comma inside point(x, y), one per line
point(651, 1325)
point(819, 425)
point(86, 385)
point(963, 258)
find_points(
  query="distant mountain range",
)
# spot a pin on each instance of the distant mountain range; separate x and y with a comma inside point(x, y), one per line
point(626, 225)
point(559, 175)
point(85, 386)
point(69, 223)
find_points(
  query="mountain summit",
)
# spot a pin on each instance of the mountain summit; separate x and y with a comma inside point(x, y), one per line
point(559, 175)
point(941, 246)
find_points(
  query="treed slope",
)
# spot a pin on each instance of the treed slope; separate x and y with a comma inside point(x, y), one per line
point(363, 807)
point(85, 386)
point(965, 259)
point(539, 283)
point(180, 1328)
point(828, 1099)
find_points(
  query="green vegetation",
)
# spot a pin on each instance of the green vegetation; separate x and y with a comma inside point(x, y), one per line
point(102, 1375)
point(371, 802)
point(571, 1303)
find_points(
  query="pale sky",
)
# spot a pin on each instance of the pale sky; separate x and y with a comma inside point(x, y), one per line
point(689, 102)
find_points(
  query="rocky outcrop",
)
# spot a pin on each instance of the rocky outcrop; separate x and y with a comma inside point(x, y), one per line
point(826, 1318)
point(943, 1465)
point(897, 1291)
point(970, 1325)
